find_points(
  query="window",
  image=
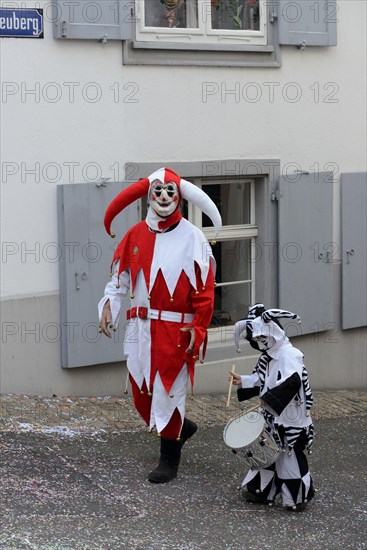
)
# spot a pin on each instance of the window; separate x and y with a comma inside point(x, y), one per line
point(245, 251)
point(235, 33)
point(227, 33)
point(202, 21)
point(234, 248)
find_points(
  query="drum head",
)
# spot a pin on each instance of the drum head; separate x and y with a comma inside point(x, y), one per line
point(243, 430)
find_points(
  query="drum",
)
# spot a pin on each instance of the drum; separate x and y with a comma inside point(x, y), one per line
point(246, 436)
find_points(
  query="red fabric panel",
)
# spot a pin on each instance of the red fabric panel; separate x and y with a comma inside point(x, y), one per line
point(173, 428)
point(172, 219)
point(135, 251)
point(166, 356)
point(142, 402)
point(123, 199)
point(170, 175)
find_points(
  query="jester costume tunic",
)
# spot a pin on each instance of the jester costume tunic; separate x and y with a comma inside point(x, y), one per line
point(170, 277)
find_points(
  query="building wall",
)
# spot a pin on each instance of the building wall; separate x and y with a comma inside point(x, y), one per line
point(30, 356)
point(72, 113)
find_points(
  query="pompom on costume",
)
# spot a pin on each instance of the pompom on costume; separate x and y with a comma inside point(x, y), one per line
point(280, 379)
point(167, 266)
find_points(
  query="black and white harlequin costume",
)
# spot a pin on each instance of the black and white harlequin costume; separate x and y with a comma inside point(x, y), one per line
point(281, 380)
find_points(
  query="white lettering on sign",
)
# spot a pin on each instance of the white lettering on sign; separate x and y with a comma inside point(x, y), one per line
point(13, 22)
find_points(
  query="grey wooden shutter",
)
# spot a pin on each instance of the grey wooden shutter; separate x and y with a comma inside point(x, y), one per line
point(84, 271)
point(93, 19)
point(354, 246)
point(305, 23)
point(306, 250)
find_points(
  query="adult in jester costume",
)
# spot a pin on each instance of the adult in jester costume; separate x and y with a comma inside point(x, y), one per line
point(166, 265)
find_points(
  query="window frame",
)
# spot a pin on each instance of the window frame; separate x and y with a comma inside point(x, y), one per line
point(203, 33)
point(239, 232)
point(138, 52)
point(266, 174)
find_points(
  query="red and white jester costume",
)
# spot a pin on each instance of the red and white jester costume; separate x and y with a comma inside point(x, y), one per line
point(166, 264)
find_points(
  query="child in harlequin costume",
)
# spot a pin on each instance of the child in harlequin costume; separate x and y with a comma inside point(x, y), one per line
point(167, 266)
point(280, 379)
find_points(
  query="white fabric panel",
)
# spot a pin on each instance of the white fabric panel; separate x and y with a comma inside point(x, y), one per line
point(250, 380)
point(249, 476)
point(266, 477)
point(157, 175)
point(287, 498)
point(287, 466)
point(306, 480)
point(238, 328)
point(163, 405)
point(176, 251)
point(138, 331)
point(114, 295)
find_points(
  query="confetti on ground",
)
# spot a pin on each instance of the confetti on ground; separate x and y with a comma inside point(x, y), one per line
point(72, 415)
point(73, 476)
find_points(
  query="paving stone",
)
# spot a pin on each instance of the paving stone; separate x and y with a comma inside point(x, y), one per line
point(27, 413)
point(72, 490)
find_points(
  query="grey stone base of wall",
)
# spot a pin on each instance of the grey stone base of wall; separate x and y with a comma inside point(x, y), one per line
point(31, 359)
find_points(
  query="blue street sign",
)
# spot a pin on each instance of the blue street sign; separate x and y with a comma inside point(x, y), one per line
point(25, 23)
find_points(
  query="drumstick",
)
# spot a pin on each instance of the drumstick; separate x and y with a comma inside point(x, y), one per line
point(252, 408)
point(230, 386)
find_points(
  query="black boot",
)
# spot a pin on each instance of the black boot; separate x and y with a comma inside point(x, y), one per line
point(257, 499)
point(169, 461)
point(188, 429)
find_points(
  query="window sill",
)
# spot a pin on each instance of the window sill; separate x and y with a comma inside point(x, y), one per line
point(201, 47)
point(225, 55)
point(221, 350)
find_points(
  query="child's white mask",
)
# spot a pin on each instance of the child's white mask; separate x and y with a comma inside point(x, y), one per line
point(265, 342)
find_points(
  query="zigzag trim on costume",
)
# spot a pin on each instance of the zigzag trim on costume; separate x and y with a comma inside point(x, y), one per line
point(291, 435)
point(261, 367)
point(307, 389)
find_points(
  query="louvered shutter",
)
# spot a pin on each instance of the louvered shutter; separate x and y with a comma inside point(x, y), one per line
point(306, 249)
point(84, 271)
point(305, 23)
point(354, 249)
point(93, 19)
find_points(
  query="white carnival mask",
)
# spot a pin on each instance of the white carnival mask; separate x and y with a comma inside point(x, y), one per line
point(164, 198)
point(265, 342)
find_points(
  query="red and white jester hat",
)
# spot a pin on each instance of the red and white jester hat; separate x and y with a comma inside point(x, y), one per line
point(187, 190)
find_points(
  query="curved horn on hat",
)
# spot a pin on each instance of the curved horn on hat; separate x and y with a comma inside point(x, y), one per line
point(199, 198)
point(271, 314)
point(238, 329)
point(255, 311)
point(122, 200)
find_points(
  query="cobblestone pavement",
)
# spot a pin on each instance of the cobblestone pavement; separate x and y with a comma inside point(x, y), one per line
point(73, 476)
point(109, 414)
